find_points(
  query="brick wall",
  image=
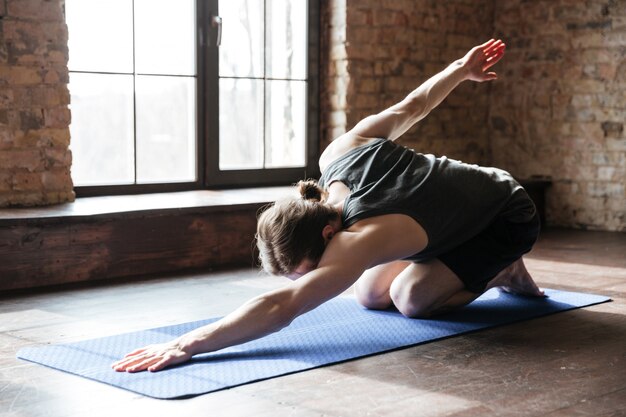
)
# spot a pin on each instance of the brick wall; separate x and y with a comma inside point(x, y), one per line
point(560, 107)
point(378, 51)
point(334, 76)
point(34, 115)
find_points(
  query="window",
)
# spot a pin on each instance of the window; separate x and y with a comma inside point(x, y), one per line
point(157, 105)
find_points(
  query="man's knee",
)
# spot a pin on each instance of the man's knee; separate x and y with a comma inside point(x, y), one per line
point(408, 301)
point(413, 310)
point(372, 299)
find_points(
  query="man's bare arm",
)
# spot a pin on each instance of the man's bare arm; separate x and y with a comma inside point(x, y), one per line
point(393, 122)
point(346, 257)
point(262, 315)
point(397, 119)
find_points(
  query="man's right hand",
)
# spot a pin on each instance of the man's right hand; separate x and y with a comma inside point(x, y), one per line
point(153, 358)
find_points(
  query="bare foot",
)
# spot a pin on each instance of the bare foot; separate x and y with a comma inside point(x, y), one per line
point(515, 279)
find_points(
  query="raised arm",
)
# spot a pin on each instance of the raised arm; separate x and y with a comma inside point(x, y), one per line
point(397, 119)
point(391, 123)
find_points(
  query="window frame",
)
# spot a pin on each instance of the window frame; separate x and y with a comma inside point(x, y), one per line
point(208, 174)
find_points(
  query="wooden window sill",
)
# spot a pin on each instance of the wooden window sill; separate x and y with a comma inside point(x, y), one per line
point(141, 205)
point(101, 238)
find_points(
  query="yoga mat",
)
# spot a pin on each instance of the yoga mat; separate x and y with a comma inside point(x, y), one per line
point(336, 331)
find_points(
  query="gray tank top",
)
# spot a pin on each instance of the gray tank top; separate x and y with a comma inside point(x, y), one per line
point(453, 201)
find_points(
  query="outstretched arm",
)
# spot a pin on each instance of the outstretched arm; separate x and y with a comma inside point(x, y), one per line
point(339, 268)
point(393, 122)
point(346, 257)
point(397, 119)
point(258, 317)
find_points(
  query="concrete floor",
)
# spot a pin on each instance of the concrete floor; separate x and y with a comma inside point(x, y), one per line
point(567, 364)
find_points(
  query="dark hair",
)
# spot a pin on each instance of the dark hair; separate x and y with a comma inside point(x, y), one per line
point(290, 230)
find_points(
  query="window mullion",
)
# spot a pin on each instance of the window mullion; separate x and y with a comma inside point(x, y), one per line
point(134, 101)
point(235, 114)
point(265, 83)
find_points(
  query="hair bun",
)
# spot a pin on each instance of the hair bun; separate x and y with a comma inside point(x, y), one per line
point(310, 190)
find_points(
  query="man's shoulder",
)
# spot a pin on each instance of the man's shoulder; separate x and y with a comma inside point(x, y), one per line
point(386, 237)
point(341, 146)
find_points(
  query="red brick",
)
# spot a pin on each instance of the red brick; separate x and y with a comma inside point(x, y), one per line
point(57, 117)
point(57, 179)
point(30, 159)
point(367, 101)
point(369, 85)
point(35, 9)
point(6, 97)
point(23, 75)
point(359, 17)
point(26, 181)
point(55, 197)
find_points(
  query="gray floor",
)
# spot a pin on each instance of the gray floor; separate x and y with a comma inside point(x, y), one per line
point(568, 364)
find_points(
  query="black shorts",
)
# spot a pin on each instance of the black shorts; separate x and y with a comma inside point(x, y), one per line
point(478, 260)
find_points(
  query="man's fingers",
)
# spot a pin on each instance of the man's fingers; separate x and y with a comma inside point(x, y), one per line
point(151, 362)
point(123, 364)
point(145, 364)
point(124, 361)
point(160, 364)
point(495, 57)
point(486, 44)
point(129, 361)
point(169, 359)
point(492, 46)
point(498, 52)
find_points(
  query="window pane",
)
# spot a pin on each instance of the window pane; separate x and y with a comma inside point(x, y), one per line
point(166, 133)
point(286, 51)
point(241, 51)
point(102, 129)
point(100, 35)
point(241, 123)
point(165, 37)
point(285, 124)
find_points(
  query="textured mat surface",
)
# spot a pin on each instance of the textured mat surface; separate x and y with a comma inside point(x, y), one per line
point(336, 331)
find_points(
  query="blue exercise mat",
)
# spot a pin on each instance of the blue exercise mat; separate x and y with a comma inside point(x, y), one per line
point(337, 331)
